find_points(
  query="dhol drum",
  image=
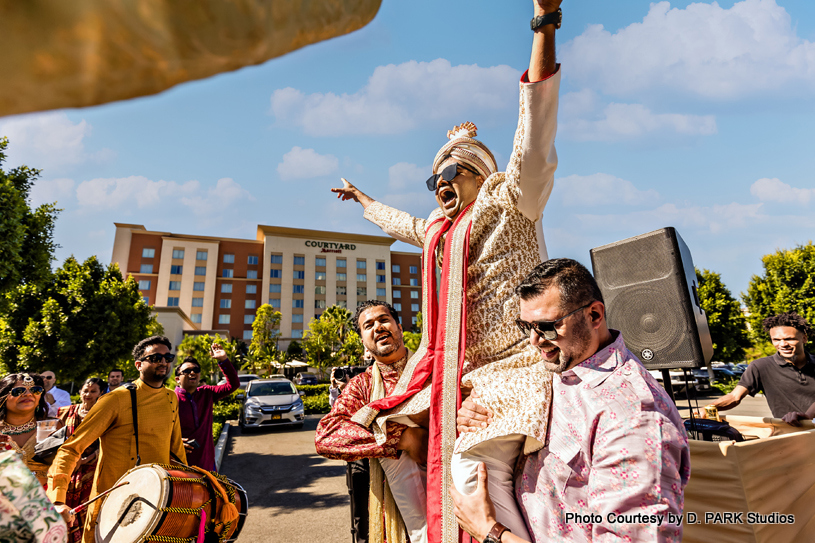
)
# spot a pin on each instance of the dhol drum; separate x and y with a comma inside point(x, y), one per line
point(170, 503)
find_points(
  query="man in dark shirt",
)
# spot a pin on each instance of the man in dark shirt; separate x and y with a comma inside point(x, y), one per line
point(787, 377)
point(195, 403)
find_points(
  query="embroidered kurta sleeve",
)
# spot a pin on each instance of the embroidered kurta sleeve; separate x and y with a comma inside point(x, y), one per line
point(397, 224)
point(641, 467)
point(531, 168)
point(341, 439)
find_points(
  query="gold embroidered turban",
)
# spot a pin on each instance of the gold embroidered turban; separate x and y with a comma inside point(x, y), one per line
point(465, 148)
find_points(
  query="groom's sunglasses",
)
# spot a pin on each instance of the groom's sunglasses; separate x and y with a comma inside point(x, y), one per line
point(448, 173)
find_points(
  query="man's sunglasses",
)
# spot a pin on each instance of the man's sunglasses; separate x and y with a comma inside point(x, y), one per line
point(190, 370)
point(448, 173)
point(156, 358)
point(545, 329)
point(19, 391)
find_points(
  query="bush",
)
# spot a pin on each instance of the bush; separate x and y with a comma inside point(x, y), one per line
point(314, 390)
point(317, 404)
point(216, 431)
point(726, 387)
point(222, 412)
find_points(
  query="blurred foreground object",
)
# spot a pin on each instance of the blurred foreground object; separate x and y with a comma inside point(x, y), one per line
point(61, 54)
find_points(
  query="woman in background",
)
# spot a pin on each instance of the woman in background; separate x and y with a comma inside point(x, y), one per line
point(22, 404)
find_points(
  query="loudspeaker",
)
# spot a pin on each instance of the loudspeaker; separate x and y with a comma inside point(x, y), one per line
point(650, 290)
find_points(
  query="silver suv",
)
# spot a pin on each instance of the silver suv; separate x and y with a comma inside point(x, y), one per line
point(271, 402)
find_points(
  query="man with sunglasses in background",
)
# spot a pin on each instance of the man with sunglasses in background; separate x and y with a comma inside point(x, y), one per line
point(54, 397)
point(481, 241)
point(616, 458)
point(111, 421)
point(195, 403)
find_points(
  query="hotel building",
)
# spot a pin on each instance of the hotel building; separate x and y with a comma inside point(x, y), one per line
point(220, 282)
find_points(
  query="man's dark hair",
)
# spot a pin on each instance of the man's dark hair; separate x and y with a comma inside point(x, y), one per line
point(138, 350)
point(187, 360)
point(576, 285)
point(116, 370)
point(791, 318)
point(369, 304)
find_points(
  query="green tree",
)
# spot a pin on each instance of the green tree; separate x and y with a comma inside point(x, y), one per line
point(83, 321)
point(787, 284)
point(728, 327)
point(414, 339)
point(265, 332)
point(198, 346)
point(26, 235)
point(331, 340)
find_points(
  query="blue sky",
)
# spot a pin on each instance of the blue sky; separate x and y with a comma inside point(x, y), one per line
point(693, 115)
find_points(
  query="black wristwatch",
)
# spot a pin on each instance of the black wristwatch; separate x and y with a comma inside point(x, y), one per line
point(495, 534)
point(554, 18)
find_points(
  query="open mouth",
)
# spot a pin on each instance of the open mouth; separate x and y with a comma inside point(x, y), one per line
point(447, 196)
point(381, 337)
point(550, 353)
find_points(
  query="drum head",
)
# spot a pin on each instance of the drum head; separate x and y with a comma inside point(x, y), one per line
point(130, 512)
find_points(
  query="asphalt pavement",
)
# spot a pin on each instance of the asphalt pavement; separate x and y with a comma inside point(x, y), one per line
point(295, 496)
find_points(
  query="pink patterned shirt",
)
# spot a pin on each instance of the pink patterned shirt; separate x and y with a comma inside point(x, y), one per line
point(615, 446)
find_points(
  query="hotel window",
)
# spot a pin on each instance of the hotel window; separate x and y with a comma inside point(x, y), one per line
point(299, 261)
point(274, 302)
point(414, 282)
point(248, 319)
point(249, 304)
point(200, 255)
point(397, 307)
point(148, 253)
point(414, 294)
point(342, 303)
point(297, 318)
point(146, 268)
point(226, 304)
point(176, 270)
point(198, 302)
point(299, 274)
point(144, 284)
point(200, 270)
point(247, 334)
point(252, 260)
point(380, 292)
point(228, 273)
point(414, 307)
point(196, 318)
point(319, 276)
point(414, 269)
point(146, 300)
point(178, 253)
point(274, 288)
point(251, 274)
point(319, 304)
point(172, 302)
point(226, 288)
point(397, 293)
point(397, 281)
point(341, 291)
point(229, 258)
point(395, 268)
point(362, 277)
point(319, 290)
point(380, 266)
point(362, 291)
point(251, 289)
point(362, 264)
point(223, 319)
point(175, 285)
point(341, 263)
point(414, 320)
point(275, 274)
point(297, 304)
point(296, 334)
point(298, 289)
point(341, 277)
point(277, 259)
point(198, 286)
point(319, 261)
point(380, 278)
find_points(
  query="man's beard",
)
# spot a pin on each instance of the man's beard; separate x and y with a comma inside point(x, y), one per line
point(387, 349)
point(582, 339)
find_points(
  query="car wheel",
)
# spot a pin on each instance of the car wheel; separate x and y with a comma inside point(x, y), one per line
point(242, 426)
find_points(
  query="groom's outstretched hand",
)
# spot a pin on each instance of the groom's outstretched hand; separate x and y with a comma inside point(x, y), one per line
point(350, 192)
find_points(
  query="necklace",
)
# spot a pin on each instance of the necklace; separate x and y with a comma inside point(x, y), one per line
point(12, 430)
point(81, 411)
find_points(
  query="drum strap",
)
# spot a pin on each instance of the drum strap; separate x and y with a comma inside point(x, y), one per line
point(132, 388)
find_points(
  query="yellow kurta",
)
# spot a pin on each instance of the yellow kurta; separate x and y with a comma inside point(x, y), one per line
point(111, 421)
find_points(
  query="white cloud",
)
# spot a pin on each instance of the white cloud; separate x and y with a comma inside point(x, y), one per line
point(117, 192)
point(223, 195)
point(48, 141)
point(405, 175)
point(703, 49)
point(601, 189)
point(302, 163)
point(52, 190)
point(398, 97)
point(775, 190)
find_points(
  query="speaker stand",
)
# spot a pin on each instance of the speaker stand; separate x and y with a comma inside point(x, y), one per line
point(667, 385)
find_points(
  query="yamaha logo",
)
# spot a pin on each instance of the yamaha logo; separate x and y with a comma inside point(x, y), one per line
point(647, 354)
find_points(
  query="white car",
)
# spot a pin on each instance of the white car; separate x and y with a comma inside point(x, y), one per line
point(271, 402)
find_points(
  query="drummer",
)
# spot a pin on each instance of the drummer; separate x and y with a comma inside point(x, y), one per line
point(111, 421)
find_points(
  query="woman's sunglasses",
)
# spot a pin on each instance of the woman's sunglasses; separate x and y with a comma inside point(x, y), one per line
point(545, 329)
point(16, 392)
point(448, 173)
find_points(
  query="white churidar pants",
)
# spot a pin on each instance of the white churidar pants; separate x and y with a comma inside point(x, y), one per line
point(408, 484)
point(499, 455)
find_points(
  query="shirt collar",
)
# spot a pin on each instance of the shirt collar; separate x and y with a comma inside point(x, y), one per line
point(397, 366)
point(599, 366)
point(781, 362)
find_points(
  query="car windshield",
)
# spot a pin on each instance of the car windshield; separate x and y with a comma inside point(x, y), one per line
point(272, 389)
